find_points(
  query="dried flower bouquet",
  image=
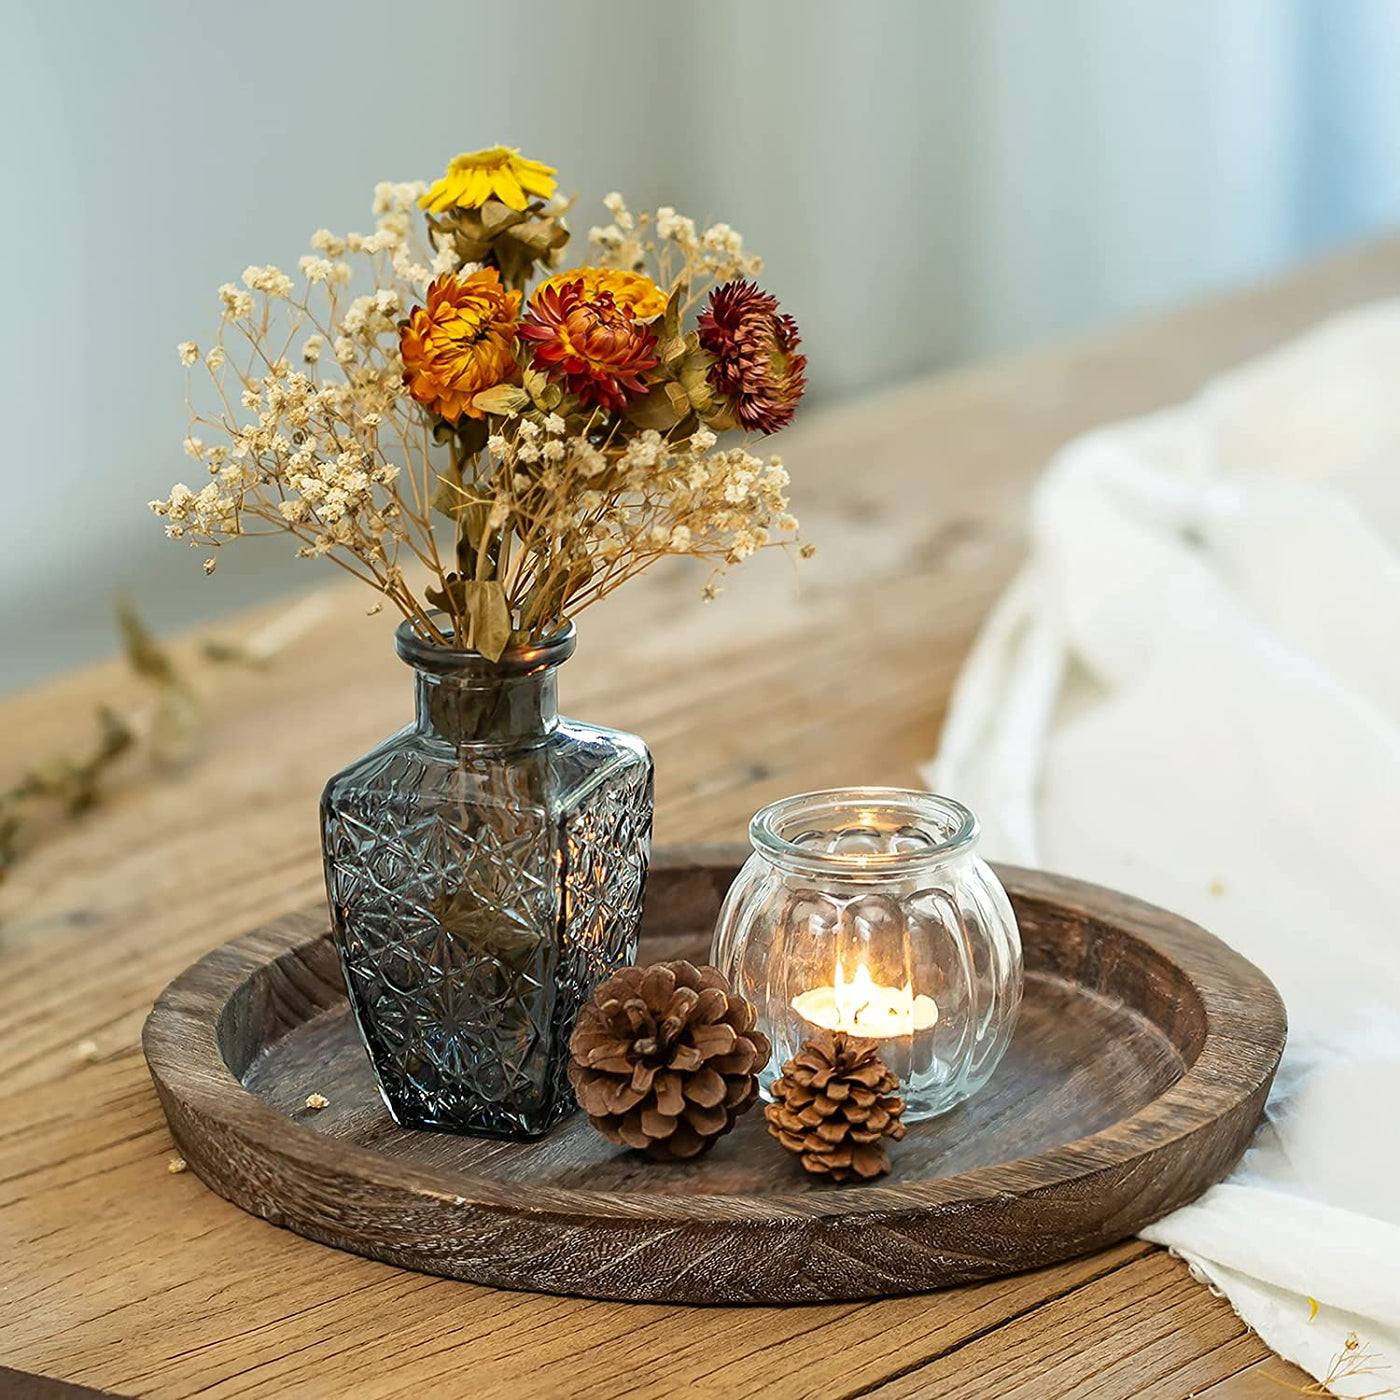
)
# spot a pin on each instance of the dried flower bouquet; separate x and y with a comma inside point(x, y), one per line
point(410, 400)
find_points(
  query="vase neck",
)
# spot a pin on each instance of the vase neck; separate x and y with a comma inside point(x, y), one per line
point(494, 712)
point(466, 700)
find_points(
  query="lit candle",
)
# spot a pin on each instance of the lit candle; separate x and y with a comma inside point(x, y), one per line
point(864, 1008)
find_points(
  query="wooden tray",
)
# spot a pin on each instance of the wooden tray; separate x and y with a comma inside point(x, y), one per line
point(1137, 1073)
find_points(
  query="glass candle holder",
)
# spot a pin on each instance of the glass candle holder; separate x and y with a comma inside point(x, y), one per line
point(868, 910)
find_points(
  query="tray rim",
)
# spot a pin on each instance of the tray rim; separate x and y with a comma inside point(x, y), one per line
point(187, 1066)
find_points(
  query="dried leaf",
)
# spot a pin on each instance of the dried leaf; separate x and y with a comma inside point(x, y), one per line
point(720, 416)
point(472, 523)
point(496, 217)
point(75, 783)
point(518, 249)
point(11, 828)
point(224, 653)
point(539, 236)
point(693, 377)
point(449, 496)
point(115, 736)
point(661, 409)
point(175, 727)
point(146, 656)
point(475, 519)
point(451, 597)
point(504, 400)
point(471, 434)
point(470, 237)
point(473, 248)
point(581, 570)
point(490, 617)
point(669, 352)
point(671, 317)
point(535, 383)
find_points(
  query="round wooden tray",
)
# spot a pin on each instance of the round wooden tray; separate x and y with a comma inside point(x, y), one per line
point(1137, 1073)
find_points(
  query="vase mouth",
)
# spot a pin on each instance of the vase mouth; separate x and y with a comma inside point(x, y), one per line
point(866, 831)
point(440, 660)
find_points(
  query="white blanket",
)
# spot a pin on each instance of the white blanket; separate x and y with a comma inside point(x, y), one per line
point(1192, 693)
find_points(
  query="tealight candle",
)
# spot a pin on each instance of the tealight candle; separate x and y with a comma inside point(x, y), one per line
point(865, 1008)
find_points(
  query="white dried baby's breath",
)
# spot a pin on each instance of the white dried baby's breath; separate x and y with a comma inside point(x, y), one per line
point(316, 269)
point(271, 281)
point(235, 302)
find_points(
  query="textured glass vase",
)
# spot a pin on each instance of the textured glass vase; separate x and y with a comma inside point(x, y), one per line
point(485, 868)
point(867, 910)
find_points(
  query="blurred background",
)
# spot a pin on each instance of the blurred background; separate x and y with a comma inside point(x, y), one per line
point(932, 181)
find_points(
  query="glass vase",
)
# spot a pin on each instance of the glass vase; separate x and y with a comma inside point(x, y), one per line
point(485, 868)
point(867, 910)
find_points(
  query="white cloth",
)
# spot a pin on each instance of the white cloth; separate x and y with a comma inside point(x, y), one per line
point(1192, 693)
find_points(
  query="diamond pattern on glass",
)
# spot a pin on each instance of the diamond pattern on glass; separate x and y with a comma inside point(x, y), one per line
point(607, 842)
point(473, 924)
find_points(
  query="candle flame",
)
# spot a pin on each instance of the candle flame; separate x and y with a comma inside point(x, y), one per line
point(853, 999)
point(862, 1006)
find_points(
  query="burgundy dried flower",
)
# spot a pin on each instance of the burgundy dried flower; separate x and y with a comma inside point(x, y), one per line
point(753, 348)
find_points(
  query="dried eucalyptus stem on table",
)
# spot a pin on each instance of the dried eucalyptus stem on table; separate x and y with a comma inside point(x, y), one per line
point(531, 455)
point(65, 785)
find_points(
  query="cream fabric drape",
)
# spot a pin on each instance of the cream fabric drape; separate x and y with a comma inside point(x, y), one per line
point(1192, 693)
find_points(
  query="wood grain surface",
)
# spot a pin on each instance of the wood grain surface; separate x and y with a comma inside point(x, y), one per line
point(125, 1278)
point(1139, 1067)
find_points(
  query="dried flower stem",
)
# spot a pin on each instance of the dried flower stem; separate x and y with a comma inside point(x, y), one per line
point(1354, 1361)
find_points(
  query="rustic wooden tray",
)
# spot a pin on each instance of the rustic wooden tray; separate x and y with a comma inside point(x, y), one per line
point(1137, 1073)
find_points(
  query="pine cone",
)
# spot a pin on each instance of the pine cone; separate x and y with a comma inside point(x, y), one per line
point(665, 1058)
point(833, 1103)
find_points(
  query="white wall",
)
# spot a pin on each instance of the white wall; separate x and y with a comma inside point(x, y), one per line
point(929, 180)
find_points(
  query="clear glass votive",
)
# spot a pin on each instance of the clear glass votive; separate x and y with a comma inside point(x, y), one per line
point(868, 910)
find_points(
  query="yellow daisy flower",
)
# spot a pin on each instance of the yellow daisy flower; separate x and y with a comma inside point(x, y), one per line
point(497, 172)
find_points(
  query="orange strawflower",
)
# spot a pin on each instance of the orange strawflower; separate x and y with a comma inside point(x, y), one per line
point(461, 342)
point(633, 290)
point(598, 349)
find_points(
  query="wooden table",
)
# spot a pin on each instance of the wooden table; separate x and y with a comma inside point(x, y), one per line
point(121, 1276)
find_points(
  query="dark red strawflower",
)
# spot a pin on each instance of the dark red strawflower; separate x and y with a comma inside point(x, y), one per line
point(598, 348)
point(753, 348)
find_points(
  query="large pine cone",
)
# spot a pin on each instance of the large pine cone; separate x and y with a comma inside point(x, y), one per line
point(833, 1104)
point(665, 1058)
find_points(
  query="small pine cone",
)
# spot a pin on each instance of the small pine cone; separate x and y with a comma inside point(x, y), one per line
point(833, 1104)
point(665, 1058)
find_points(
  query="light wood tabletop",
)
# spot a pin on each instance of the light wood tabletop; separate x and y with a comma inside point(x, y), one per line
point(122, 1276)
